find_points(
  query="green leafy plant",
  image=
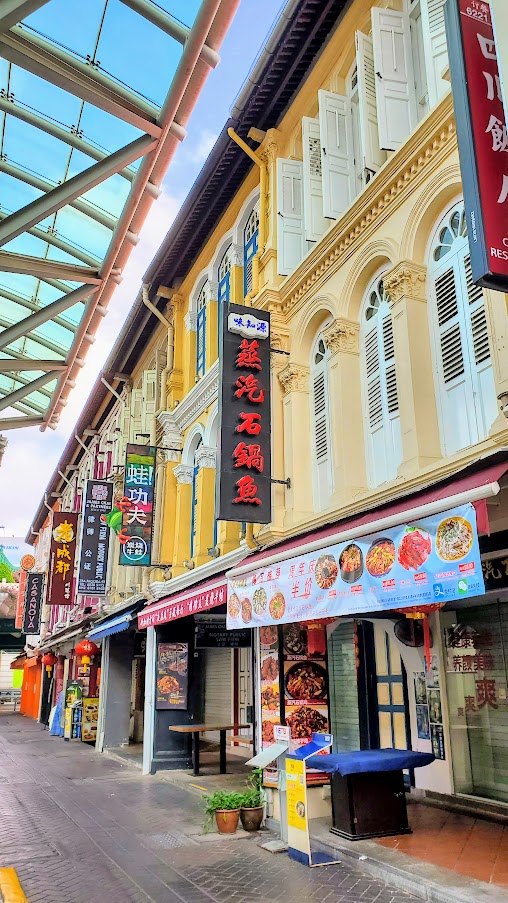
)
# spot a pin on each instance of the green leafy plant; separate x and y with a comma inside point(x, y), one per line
point(221, 800)
point(254, 796)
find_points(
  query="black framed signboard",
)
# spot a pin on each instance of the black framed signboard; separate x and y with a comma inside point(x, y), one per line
point(172, 676)
point(211, 633)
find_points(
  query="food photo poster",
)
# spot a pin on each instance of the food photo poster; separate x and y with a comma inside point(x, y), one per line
point(172, 675)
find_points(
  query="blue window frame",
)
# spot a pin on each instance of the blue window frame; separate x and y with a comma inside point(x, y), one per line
point(194, 503)
point(250, 248)
point(224, 294)
point(201, 334)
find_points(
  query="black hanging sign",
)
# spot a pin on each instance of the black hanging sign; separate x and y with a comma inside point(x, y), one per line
point(243, 490)
point(93, 558)
point(33, 604)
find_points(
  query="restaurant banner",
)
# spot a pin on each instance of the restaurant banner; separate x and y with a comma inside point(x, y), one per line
point(33, 604)
point(61, 559)
point(182, 605)
point(434, 560)
point(137, 506)
point(482, 137)
point(243, 490)
point(93, 558)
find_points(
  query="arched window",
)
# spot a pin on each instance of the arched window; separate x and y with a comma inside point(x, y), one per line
point(194, 500)
point(321, 432)
point(250, 248)
point(224, 276)
point(464, 380)
point(381, 403)
point(201, 332)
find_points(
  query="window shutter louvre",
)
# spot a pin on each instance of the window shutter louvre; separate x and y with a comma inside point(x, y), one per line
point(374, 396)
point(136, 420)
point(479, 331)
point(450, 339)
point(315, 222)
point(291, 243)
point(149, 400)
point(373, 156)
point(395, 83)
point(435, 48)
point(250, 249)
point(337, 153)
point(320, 419)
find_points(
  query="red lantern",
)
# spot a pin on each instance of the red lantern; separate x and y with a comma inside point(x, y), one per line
point(49, 659)
point(86, 649)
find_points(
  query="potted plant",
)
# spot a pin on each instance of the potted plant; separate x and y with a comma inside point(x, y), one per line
point(225, 807)
point(253, 802)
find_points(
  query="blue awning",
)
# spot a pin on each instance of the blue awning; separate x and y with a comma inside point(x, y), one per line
point(114, 624)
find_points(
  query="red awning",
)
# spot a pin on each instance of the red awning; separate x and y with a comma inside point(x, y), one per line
point(198, 598)
point(474, 480)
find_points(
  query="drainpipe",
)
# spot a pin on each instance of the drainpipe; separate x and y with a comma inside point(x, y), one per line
point(263, 206)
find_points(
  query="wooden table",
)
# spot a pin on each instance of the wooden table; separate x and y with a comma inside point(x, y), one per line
point(197, 729)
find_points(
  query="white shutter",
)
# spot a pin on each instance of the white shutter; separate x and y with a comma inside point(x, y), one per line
point(291, 243)
point(435, 48)
point(136, 420)
point(337, 153)
point(218, 689)
point(315, 222)
point(483, 378)
point(395, 83)
point(372, 155)
point(149, 400)
point(385, 440)
point(321, 429)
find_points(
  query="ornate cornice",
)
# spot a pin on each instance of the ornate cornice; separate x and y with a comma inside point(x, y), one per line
point(200, 397)
point(342, 335)
point(191, 321)
point(211, 290)
point(294, 378)
point(407, 279)
point(183, 473)
point(206, 457)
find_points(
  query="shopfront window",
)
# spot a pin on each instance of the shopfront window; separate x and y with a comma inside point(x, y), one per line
point(476, 648)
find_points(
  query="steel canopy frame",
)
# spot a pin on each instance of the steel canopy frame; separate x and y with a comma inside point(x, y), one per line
point(92, 284)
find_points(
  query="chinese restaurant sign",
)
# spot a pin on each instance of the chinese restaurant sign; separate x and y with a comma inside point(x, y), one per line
point(244, 474)
point(33, 604)
point(137, 505)
point(482, 137)
point(435, 560)
point(172, 675)
point(93, 561)
point(181, 606)
point(61, 558)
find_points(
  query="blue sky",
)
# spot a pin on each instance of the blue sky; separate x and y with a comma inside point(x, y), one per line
point(31, 455)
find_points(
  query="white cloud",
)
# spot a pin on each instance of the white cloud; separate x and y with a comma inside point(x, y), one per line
point(202, 147)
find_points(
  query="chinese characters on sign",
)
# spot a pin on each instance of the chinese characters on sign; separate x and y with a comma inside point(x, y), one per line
point(93, 562)
point(33, 604)
point(482, 137)
point(244, 476)
point(137, 506)
point(181, 606)
point(61, 559)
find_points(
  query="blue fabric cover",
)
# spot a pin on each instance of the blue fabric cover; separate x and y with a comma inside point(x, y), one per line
point(56, 730)
point(369, 760)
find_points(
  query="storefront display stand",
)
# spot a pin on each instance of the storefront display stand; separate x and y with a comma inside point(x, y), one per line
point(297, 806)
point(276, 753)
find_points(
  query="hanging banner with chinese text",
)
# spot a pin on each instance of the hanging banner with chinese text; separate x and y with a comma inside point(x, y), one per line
point(61, 559)
point(436, 560)
point(482, 137)
point(33, 604)
point(137, 506)
point(93, 558)
point(243, 491)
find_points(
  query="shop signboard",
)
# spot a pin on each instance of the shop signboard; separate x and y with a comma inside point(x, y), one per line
point(436, 560)
point(243, 490)
point(93, 557)
point(137, 506)
point(172, 677)
point(482, 137)
point(211, 633)
point(61, 559)
point(16, 559)
point(299, 846)
point(500, 22)
point(33, 604)
point(495, 572)
point(183, 605)
point(89, 719)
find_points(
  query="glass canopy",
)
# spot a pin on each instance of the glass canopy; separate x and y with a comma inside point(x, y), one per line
point(94, 98)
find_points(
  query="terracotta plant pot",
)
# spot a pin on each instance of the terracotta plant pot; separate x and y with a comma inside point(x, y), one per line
point(252, 818)
point(227, 820)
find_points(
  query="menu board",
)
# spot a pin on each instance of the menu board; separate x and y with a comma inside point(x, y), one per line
point(89, 719)
point(172, 676)
point(270, 693)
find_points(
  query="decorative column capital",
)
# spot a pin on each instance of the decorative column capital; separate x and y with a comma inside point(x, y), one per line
point(191, 321)
point(211, 290)
point(171, 437)
point(183, 473)
point(294, 378)
point(406, 280)
point(342, 335)
point(269, 148)
point(236, 255)
point(174, 305)
point(206, 457)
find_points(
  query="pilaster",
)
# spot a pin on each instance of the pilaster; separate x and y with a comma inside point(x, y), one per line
point(294, 382)
point(205, 507)
point(212, 335)
point(279, 341)
point(181, 550)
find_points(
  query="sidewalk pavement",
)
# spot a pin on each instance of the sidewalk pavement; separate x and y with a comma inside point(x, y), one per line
point(79, 827)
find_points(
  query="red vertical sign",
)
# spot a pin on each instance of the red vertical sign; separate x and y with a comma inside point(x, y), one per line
point(61, 559)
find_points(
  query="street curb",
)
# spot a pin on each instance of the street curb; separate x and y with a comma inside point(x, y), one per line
point(10, 888)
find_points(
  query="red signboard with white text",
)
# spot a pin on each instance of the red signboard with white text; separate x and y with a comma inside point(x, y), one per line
point(482, 137)
point(180, 606)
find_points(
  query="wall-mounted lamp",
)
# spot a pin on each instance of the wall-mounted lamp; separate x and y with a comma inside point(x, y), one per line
point(214, 552)
point(167, 573)
point(188, 564)
point(503, 403)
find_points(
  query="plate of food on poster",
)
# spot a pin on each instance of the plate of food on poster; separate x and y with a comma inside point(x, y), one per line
point(351, 563)
point(295, 639)
point(306, 680)
point(234, 606)
point(454, 538)
point(259, 602)
point(304, 720)
point(326, 571)
point(246, 605)
point(270, 698)
point(268, 637)
point(270, 669)
point(277, 606)
point(380, 558)
point(414, 548)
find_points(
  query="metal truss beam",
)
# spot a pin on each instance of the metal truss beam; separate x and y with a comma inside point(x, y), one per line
point(40, 340)
point(53, 64)
point(24, 364)
point(41, 316)
point(33, 306)
point(13, 11)
point(56, 131)
point(47, 269)
point(8, 400)
point(170, 26)
point(28, 407)
point(85, 207)
point(26, 218)
point(14, 423)
point(25, 382)
point(51, 239)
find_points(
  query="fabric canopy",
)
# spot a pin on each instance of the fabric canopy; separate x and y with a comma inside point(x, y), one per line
point(198, 598)
point(114, 624)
